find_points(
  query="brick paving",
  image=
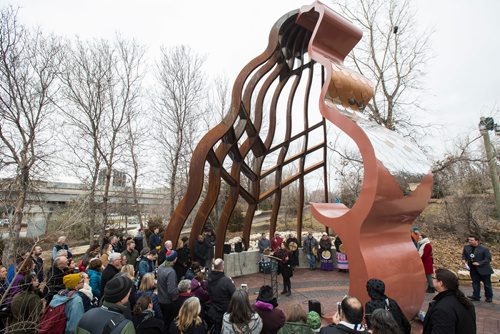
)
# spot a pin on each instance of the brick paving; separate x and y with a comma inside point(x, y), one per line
point(330, 287)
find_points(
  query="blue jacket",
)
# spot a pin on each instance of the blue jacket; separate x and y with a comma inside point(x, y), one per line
point(146, 266)
point(154, 297)
point(154, 240)
point(95, 282)
point(73, 309)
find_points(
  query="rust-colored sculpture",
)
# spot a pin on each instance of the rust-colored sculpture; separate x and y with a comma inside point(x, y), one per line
point(375, 230)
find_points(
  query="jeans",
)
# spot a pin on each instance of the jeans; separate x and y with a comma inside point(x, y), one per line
point(476, 284)
point(312, 260)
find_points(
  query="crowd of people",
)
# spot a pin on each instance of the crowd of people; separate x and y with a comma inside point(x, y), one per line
point(121, 288)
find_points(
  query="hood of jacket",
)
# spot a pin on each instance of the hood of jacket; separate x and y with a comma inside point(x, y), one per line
point(376, 289)
point(215, 276)
point(63, 296)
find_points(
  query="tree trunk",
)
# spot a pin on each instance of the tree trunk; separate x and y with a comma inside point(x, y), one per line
point(9, 255)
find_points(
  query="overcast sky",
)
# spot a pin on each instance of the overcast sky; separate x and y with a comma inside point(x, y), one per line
point(462, 80)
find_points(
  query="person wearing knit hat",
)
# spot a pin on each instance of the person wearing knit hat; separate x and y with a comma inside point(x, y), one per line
point(167, 287)
point(73, 303)
point(171, 255)
point(104, 319)
point(117, 289)
point(71, 281)
point(266, 306)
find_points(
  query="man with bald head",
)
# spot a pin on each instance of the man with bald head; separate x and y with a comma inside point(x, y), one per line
point(348, 319)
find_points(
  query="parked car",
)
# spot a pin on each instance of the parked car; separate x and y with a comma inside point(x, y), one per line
point(4, 222)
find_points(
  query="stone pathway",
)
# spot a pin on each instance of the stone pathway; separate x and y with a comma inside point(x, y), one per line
point(330, 287)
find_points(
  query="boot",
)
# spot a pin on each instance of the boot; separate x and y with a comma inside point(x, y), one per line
point(283, 292)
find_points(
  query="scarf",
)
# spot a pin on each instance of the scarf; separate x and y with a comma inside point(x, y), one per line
point(422, 244)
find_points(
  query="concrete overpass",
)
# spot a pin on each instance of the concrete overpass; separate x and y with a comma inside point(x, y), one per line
point(52, 196)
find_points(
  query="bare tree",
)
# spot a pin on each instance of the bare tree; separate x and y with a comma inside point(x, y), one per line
point(29, 63)
point(177, 101)
point(392, 54)
point(102, 85)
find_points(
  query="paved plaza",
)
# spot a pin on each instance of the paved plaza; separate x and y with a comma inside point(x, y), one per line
point(330, 287)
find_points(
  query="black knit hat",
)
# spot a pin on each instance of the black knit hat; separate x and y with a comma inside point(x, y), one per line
point(117, 288)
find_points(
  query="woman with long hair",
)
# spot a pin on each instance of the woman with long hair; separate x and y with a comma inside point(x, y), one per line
point(105, 251)
point(285, 268)
point(147, 288)
point(382, 322)
point(450, 311)
point(144, 319)
point(26, 267)
point(296, 321)
point(26, 306)
point(199, 285)
point(129, 272)
point(95, 272)
point(189, 320)
point(240, 317)
point(90, 253)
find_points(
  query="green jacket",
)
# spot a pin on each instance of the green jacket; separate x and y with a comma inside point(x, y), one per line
point(295, 328)
point(94, 320)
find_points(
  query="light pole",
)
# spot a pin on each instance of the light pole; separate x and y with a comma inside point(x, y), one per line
point(486, 124)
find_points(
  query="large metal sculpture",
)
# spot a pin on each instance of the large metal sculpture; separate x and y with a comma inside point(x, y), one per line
point(375, 230)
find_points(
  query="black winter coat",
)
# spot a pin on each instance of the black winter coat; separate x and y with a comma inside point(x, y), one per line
point(107, 274)
point(146, 323)
point(220, 290)
point(446, 315)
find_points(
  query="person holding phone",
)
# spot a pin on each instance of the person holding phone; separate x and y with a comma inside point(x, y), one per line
point(348, 319)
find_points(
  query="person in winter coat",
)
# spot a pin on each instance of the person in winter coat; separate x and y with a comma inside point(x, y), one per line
point(376, 291)
point(220, 290)
point(310, 243)
point(202, 251)
point(478, 259)
point(147, 262)
point(128, 271)
point(147, 288)
point(425, 252)
point(450, 311)
point(189, 320)
point(199, 285)
point(240, 317)
point(144, 317)
point(266, 306)
point(106, 250)
point(26, 307)
point(86, 293)
point(27, 266)
point(73, 304)
point(155, 240)
point(184, 288)
point(296, 322)
point(113, 268)
point(184, 259)
point(95, 274)
point(285, 268)
point(167, 287)
point(55, 277)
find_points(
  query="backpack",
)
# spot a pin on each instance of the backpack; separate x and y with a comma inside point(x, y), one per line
point(53, 320)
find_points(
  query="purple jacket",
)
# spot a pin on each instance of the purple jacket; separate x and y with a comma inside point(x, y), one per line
point(200, 290)
point(15, 288)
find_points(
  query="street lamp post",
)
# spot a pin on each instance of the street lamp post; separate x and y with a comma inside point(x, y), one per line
point(486, 124)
